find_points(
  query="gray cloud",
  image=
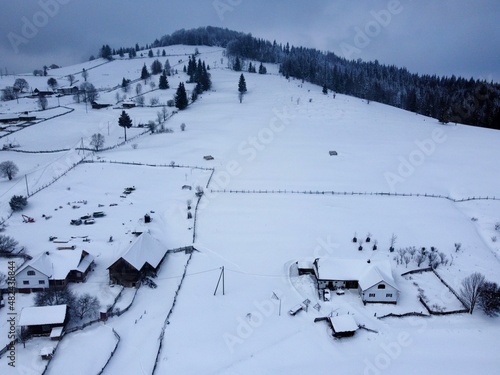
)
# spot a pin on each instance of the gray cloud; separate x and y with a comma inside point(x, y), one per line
point(447, 37)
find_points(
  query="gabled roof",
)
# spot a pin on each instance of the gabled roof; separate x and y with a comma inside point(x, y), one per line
point(57, 265)
point(144, 250)
point(380, 272)
point(41, 263)
point(36, 316)
point(367, 274)
point(343, 323)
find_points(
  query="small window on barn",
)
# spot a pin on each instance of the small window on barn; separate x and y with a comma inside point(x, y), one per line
point(372, 295)
point(26, 282)
point(41, 282)
point(388, 295)
point(381, 286)
point(31, 273)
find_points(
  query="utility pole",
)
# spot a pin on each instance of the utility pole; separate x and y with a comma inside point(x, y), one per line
point(221, 276)
point(27, 190)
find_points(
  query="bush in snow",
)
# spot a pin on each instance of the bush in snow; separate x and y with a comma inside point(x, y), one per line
point(489, 298)
point(18, 202)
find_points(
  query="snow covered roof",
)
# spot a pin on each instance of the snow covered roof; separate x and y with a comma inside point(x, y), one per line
point(57, 265)
point(145, 249)
point(344, 323)
point(380, 272)
point(41, 263)
point(340, 269)
point(36, 316)
point(367, 274)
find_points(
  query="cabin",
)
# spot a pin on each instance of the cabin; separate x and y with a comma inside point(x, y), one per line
point(67, 90)
point(142, 258)
point(343, 326)
point(96, 105)
point(373, 280)
point(53, 270)
point(37, 92)
point(128, 105)
point(42, 320)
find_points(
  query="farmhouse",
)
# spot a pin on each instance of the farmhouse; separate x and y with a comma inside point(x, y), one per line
point(143, 257)
point(373, 280)
point(53, 270)
point(43, 320)
point(67, 90)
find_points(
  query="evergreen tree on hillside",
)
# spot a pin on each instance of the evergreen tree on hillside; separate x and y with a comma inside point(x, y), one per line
point(125, 122)
point(262, 69)
point(163, 84)
point(167, 68)
point(242, 87)
point(150, 53)
point(105, 52)
point(181, 99)
point(156, 67)
point(237, 65)
point(144, 73)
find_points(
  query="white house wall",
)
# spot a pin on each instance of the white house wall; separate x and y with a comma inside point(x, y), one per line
point(34, 280)
point(373, 294)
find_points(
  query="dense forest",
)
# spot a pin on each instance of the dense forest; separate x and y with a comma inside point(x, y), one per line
point(448, 99)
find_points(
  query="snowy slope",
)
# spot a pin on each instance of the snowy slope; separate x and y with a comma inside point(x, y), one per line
point(277, 139)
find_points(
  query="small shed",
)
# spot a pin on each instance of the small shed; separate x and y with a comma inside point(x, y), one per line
point(47, 352)
point(56, 333)
point(305, 267)
point(333, 153)
point(343, 325)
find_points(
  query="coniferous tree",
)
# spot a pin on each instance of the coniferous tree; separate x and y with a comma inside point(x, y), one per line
point(262, 69)
point(150, 53)
point(144, 72)
point(125, 122)
point(237, 65)
point(181, 99)
point(242, 87)
point(163, 84)
point(156, 67)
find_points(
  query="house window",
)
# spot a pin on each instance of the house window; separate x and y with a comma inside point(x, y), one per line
point(41, 282)
point(371, 295)
point(381, 286)
point(31, 273)
point(26, 282)
point(388, 295)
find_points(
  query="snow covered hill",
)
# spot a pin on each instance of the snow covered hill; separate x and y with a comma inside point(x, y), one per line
point(295, 175)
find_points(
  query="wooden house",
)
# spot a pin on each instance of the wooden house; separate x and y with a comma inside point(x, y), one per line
point(143, 257)
point(40, 321)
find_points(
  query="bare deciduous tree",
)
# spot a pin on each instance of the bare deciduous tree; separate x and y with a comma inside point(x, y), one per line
point(8, 169)
point(471, 289)
point(7, 244)
point(97, 141)
point(86, 306)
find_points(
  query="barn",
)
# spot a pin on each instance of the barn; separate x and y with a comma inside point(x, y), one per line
point(40, 321)
point(143, 257)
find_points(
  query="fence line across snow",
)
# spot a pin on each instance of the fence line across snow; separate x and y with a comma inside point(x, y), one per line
point(331, 192)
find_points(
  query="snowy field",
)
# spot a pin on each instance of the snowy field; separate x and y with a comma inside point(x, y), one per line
point(278, 139)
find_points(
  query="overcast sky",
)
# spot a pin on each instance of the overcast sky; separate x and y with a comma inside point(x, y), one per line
point(440, 37)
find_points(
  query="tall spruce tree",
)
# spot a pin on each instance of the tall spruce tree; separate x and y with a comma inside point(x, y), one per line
point(181, 99)
point(144, 72)
point(125, 122)
point(242, 87)
point(163, 84)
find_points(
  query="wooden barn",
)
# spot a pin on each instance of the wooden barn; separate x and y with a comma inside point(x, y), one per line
point(40, 321)
point(143, 257)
